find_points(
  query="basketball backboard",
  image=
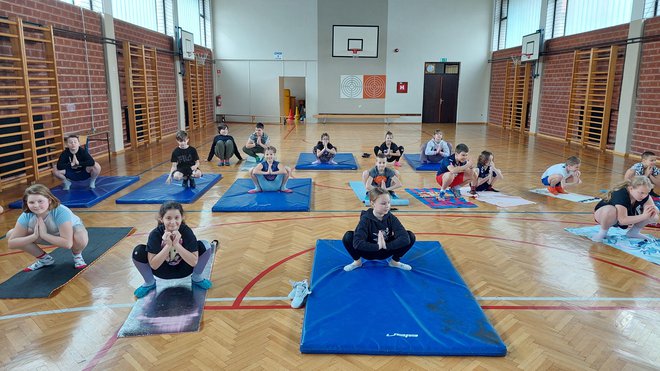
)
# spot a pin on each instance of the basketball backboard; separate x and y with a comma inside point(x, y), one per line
point(348, 39)
point(185, 45)
point(531, 47)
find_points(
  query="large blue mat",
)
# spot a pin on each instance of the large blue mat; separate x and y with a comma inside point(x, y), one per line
point(345, 161)
point(237, 199)
point(157, 192)
point(376, 309)
point(413, 161)
point(79, 195)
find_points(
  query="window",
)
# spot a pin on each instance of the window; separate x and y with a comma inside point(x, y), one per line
point(205, 23)
point(165, 15)
point(651, 8)
point(499, 24)
point(589, 15)
point(556, 19)
point(93, 5)
point(140, 13)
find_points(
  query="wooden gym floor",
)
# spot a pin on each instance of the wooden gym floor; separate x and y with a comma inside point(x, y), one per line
point(558, 301)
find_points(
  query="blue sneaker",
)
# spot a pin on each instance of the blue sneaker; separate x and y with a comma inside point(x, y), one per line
point(456, 191)
point(203, 284)
point(441, 194)
point(142, 291)
point(299, 293)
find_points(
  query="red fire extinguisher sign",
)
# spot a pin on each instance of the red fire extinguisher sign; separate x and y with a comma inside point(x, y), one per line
point(218, 100)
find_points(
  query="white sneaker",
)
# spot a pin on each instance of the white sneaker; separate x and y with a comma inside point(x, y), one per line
point(40, 263)
point(66, 185)
point(299, 293)
point(79, 262)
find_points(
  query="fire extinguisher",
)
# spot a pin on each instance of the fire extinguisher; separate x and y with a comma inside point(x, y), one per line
point(218, 100)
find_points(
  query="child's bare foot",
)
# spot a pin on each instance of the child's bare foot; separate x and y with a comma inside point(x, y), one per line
point(353, 265)
point(332, 162)
point(286, 190)
point(598, 237)
point(396, 264)
point(256, 190)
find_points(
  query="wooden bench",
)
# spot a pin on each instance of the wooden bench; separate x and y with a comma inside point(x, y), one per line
point(386, 117)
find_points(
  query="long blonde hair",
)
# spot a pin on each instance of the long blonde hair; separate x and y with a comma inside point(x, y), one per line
point(635, 182)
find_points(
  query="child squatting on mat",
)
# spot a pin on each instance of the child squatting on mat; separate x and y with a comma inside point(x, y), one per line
point(172, 251)
point(379, 235)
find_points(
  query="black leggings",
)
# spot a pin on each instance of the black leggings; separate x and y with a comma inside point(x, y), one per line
point(389, 159)
point(166, 271)
point(376, 255)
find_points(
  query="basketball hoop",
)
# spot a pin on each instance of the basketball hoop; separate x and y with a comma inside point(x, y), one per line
point(516, 60)
point(355, 53)
point(524, 57)
point(201, 58)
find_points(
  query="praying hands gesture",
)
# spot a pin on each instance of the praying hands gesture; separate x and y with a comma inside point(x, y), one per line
point(381, 241)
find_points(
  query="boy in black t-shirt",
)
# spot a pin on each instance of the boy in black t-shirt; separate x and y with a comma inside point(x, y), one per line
point(185, 162)
point(76, 164)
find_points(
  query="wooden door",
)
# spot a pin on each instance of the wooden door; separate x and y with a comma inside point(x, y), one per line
point(440, 99)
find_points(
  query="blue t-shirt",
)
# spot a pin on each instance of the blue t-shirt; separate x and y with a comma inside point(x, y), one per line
point(449, 160)
point(53, 220)
point(275, 168)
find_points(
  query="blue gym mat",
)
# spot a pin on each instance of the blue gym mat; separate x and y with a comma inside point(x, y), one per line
point(381, 310)
point(345, 161)
point(413, 161)
point(79, 195)
point(361, 192)
point(237, 199)
point(157, 192)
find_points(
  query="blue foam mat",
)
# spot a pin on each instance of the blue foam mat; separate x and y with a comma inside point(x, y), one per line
point(345, 161)
point(361, 192)
point(381, 310)
point(157, 192)
point(79, 195)
point(237, 199)
point(413, 161)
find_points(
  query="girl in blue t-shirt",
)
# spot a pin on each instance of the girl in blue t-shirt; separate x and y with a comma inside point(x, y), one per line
point(627, 204)
point(172, 251)
point(270, 175)
point(45, 221)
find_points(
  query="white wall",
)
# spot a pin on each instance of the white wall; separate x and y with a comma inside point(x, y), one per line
point(427, 30)
point(246, 33)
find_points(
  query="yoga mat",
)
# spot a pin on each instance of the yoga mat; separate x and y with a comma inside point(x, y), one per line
point(43, 282)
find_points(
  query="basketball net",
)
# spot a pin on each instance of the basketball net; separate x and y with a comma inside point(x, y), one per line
point(355, 53)
point(201, 58)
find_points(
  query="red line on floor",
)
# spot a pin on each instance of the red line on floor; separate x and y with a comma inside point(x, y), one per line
point(256, 279)
point(231, 307)
point(102, 352)
point(290, 130)
point(487, 307)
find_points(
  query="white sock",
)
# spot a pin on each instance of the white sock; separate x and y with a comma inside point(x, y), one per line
point(396, 264)
point(353, 265)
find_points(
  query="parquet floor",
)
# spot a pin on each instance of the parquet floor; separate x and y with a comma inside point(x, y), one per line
point(557, 300)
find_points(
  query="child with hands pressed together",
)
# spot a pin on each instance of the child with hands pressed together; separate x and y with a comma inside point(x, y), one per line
point(379, 235)
point(270, 175)
point(185, 162)
point(436, 149)
point(626, 205)
point(45, 221)
point(75, 164)
point(324, 151)
point(381, 176)
point(257, 142)
point(172, 251)
point(391, 151)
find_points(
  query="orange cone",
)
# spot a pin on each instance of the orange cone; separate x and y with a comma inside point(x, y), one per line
point(290, 118)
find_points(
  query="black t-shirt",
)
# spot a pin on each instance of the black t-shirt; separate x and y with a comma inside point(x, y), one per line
point(155, 242)
point(319, 146)
point(449, 160)
point(622, 197)
point(184, 158)
point(483, 171)
point(393, 147)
